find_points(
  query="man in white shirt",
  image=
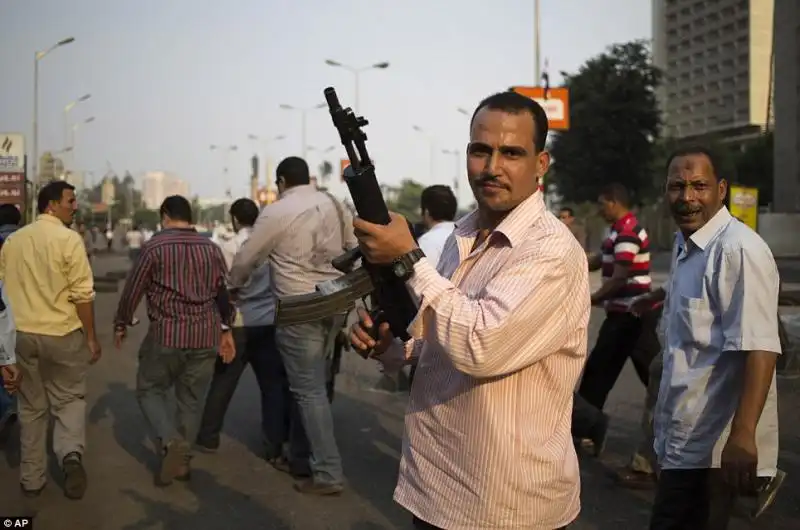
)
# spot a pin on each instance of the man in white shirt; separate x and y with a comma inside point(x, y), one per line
point(439, 206)
point(134, 238)
point(254, 336)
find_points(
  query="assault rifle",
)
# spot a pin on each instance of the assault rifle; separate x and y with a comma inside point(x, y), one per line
point(391, 301)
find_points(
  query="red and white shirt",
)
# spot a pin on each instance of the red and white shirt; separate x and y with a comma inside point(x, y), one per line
point(627, 243)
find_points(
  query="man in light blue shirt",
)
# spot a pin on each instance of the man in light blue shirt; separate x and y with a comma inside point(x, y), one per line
point(716, 422)
point(254, 335)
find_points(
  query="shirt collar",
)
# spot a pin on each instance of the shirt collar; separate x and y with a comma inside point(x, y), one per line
point(302, 188)
point(513, 227)
point(622, 221)
point(49, 219)
point(702, 237)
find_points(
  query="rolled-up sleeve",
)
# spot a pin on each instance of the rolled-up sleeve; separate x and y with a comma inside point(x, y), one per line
point(747, 290)
point(80, 280)
point(543, 288)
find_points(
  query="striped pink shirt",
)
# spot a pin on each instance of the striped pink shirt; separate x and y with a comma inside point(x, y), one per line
point(501, 346)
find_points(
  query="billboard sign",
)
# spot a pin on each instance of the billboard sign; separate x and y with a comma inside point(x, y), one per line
point(12, 152)
point(555, 104)
point(744, 205)
point(12, 189)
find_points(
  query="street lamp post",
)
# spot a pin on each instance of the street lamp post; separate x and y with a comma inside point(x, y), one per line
point(38, 56)
point(226, 152)
point(75, 128)
point(432, 153)
point(457, 159)
point(303, 112)
point(266, 144)
point(356, 74)
point(71, 105)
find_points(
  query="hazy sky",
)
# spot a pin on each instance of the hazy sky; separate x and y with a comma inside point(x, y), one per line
point(170, 77)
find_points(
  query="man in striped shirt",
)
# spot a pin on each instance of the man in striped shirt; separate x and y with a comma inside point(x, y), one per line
point(501, 340)
point(625, 264)
point(183, 276)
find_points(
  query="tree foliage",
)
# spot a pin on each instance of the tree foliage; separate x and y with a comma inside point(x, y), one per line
point(405, 199)
point(614, 123)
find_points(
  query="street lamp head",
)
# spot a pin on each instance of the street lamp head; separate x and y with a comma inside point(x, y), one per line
point(212, 147)
point(321, 105)
point(418, 128)
point(285, 106)
point(89, 119)
point(463, 111)
point(382, 66)
point(84, 97)
point(252, 137)
point(234, 147)
point(331, 62)
point(279, 137)
point(65, 41)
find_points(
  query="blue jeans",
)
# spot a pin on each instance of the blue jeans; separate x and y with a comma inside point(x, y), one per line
point(306, 350)
point(7, 403)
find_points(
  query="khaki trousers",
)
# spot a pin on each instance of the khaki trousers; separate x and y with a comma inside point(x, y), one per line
point(54, 373)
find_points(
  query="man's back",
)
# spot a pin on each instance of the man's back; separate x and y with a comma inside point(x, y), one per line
point(303, 233)
point(182, 273)
point(44, 266)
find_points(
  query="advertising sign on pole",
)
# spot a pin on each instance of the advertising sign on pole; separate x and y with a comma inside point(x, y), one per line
point(744, 205)
point(555, 104)
point(12, 170)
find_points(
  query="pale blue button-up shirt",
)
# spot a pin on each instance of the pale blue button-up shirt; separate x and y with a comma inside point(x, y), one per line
point(722, 301)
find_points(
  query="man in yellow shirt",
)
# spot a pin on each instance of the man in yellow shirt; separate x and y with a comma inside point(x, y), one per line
point(49, 286)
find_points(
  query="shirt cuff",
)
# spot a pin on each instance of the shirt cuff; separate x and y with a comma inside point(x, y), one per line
point(425, 285)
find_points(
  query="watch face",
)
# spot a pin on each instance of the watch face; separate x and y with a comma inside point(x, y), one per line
point(399, 269)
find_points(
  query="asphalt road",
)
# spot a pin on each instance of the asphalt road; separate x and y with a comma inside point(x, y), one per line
point(237, 489)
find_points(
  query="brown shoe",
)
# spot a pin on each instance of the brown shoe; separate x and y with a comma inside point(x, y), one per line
point(635, 480)
point(74, 476)
point(173, 462)
point(283, 465)
point(324, 490)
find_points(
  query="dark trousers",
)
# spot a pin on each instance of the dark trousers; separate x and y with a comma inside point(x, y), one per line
point(422, 525)
point(255, 346)
point(692, 499)
point(622, 336)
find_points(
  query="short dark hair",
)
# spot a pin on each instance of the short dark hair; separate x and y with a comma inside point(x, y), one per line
point(176, 208)
point(10, 215)
point(696, 149)
point(616, 192)
point(567, 209)
point(294, 171)
point(245, 211)
point(514, 103)
point(440, 202)
point(51, 192)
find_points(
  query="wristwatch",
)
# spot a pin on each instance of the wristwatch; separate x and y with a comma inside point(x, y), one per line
point(403, 267)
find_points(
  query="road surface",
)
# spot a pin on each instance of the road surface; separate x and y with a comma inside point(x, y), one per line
point(237, 489)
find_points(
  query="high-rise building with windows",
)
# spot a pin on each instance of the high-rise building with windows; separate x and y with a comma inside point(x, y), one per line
point(787, 106)
point(716, 56)
point(158, 185)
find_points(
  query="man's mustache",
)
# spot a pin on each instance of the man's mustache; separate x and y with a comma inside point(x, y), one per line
point(488, 179)
point(684, 209)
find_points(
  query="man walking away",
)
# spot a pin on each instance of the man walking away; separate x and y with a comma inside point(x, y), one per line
point(300, 234)
point(182, 274)
point(10, 219)
point(49, 284)
point(254, 336)
point(439, 206)
point(567, 216)
point(134, 238)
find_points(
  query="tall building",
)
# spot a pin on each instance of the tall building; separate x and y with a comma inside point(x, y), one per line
point(716, 56)
point(158, 185)
point(787, 106)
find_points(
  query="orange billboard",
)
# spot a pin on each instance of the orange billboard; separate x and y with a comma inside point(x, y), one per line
point(556, 106)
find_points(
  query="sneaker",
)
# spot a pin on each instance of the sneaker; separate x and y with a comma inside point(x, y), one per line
point(74, 476)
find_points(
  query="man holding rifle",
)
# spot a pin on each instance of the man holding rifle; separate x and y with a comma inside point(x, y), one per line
point(500, 336)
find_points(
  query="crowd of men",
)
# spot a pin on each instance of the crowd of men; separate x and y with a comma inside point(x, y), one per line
point(502, 387)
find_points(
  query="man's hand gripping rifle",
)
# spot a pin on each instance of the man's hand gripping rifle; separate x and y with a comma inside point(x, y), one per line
point(391, 301)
